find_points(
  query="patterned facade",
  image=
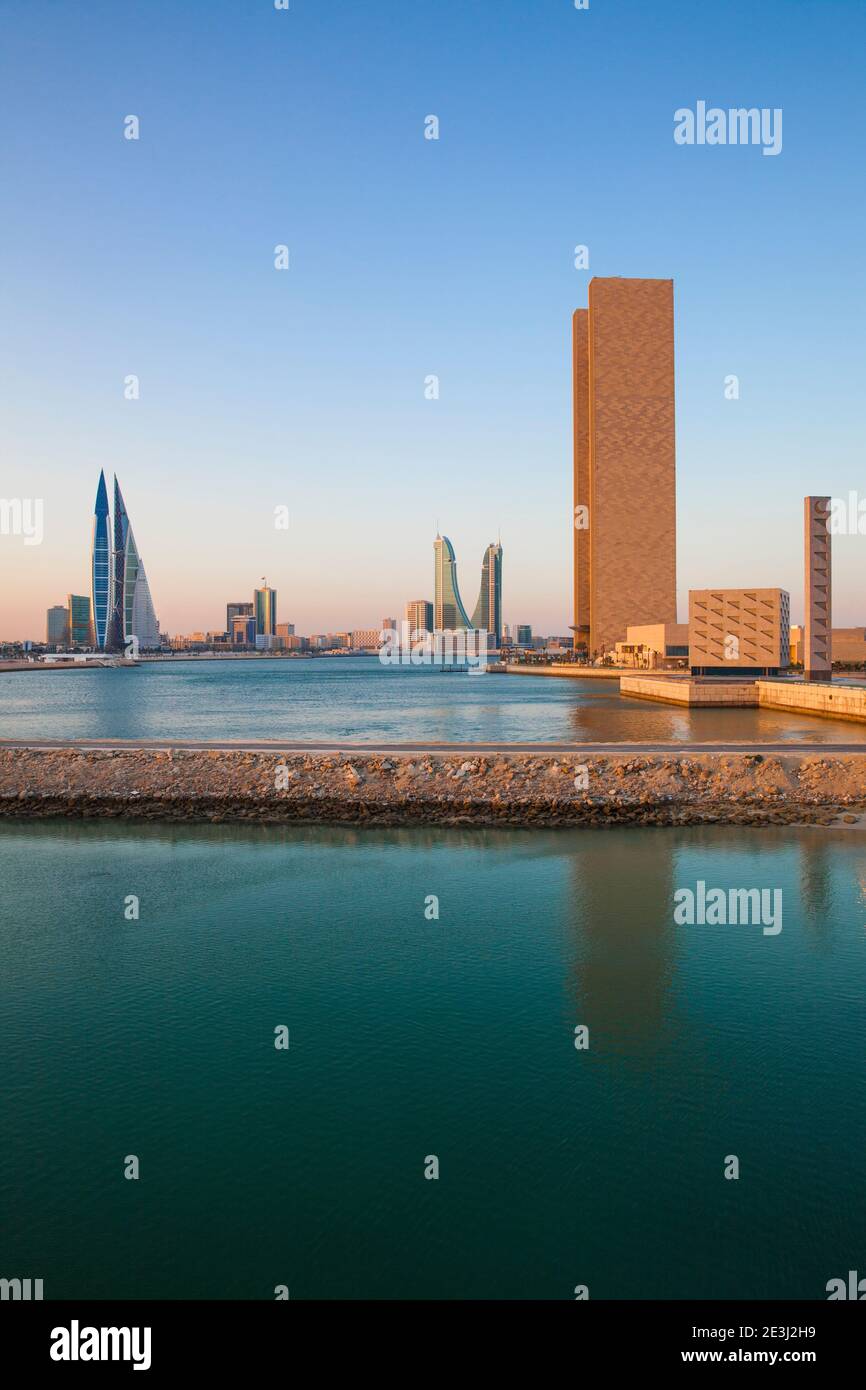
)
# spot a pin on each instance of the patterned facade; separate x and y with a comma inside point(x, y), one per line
point(739, 630)
point(817, 603)
point(624, 461)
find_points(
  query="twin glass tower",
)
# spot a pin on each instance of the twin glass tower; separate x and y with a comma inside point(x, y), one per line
point(120, 595)
point(449, 615)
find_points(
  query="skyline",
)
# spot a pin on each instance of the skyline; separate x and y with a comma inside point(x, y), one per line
point(432, 668)
point(305, 389)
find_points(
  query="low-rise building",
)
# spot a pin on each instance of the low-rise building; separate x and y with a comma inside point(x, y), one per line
point(848, 645)
point(739, 631)
point(654, 646)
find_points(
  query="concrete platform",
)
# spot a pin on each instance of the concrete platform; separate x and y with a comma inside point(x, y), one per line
point(683, 690)
point(826, 700)
point(575, 672)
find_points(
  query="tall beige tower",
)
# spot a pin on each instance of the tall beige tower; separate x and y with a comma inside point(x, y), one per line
point(580, 386)
point(818, 624)
point(624, 460)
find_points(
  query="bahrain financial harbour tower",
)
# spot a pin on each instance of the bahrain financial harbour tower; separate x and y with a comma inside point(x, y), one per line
point(624, 461)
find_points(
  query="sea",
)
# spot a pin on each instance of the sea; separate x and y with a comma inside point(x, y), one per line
point(360, 700)
point(520, 1007)
point(420, 1063)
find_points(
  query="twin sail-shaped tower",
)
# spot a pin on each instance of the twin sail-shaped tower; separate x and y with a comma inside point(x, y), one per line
point(449, 614)
point(120, 594)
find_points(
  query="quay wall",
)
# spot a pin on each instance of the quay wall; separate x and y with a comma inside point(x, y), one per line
point(679, 690)
point(819, 697)
point(569, 670)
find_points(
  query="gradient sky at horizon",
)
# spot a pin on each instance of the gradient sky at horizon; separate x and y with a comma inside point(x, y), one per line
point(410, 257)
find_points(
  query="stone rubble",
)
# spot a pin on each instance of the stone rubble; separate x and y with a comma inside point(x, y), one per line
point(447, 789)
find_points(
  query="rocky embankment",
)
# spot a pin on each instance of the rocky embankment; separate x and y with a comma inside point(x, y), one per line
point(515, 789)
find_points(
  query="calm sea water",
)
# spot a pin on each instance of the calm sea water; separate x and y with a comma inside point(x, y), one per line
point(411, 1038)
point(359, 699)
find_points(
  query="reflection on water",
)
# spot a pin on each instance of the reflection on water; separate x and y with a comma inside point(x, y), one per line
point(624, 940)
point(359, 699)
point(412, 1036)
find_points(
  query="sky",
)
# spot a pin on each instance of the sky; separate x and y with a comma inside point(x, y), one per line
point(408, 257)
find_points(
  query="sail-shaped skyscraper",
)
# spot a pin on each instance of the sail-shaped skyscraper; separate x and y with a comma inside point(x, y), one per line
point(449, 613)
point(100, 566)
point(488, 610)
point(122, 605)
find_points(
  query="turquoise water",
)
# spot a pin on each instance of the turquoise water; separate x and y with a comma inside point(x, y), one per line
point(357, 698)
point(413, 1037)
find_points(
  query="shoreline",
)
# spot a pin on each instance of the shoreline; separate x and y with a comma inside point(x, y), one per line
point(447, 787)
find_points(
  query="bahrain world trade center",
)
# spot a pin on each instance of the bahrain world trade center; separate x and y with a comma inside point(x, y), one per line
point(122, 608)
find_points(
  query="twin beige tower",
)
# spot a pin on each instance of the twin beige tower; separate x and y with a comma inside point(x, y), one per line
point(624, 461)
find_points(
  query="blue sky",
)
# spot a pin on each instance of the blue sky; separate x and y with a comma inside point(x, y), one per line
point(411, 257)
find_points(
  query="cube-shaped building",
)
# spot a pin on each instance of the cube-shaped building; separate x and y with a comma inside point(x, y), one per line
point(739, 632)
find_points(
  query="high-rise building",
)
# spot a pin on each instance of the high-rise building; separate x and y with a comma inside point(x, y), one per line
point(449, 612)
point(285, 630)
point(57, 626)
point(80, 625)
point(131, 610)
point(100, 566)
point(237, 610)
point(487, 616)
point(242, 632)
point(817, 636)
point(265, 601)
point(449, 615)
point(624, 461)
point(419, 615)
point(115, 641)
point(144, 620)
point(524, 635)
